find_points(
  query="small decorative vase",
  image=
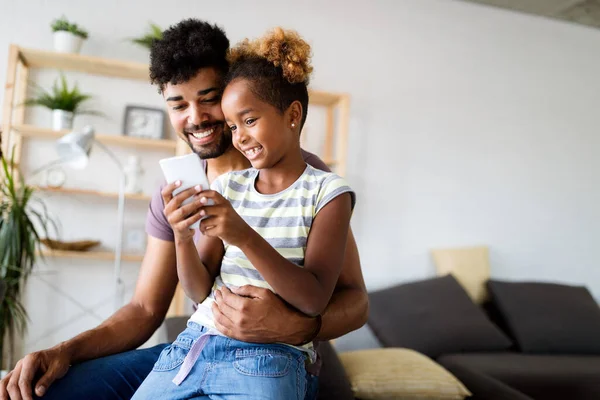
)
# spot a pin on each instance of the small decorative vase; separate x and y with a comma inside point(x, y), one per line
point(62, 119)
point(133, 175)
point(66, 42)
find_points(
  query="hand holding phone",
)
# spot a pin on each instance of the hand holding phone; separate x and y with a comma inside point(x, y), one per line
point(189, 170)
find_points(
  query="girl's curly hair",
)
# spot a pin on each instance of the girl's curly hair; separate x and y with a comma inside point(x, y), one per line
point(278, 67)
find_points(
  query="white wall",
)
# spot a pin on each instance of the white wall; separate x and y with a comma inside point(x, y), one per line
point(470, 125)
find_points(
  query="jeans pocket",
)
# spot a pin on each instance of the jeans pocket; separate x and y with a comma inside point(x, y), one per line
point(170, 358)
point(173, 355)
point(262, 362)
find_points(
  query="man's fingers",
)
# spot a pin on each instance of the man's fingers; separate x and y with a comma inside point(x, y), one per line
point(14, 393)
point(45, 381)
point(225, 308)
point(29, 367)
point(167, 191)
point(222, 322)
point(3, 384)
point(174, 202)
point(232, 300)
point(250, 291)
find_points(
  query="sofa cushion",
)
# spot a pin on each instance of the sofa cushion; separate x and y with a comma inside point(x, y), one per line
point(545, 377)
point(547, 318)
point(399, 374)
point(434, 317)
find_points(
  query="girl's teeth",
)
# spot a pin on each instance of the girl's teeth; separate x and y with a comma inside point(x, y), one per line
point(253, 151)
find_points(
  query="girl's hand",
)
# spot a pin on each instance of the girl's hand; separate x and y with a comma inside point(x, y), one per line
point(223, 221)
point(181, 217)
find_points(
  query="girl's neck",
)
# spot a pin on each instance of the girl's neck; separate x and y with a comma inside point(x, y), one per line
point(282, 175)
point(231, 160)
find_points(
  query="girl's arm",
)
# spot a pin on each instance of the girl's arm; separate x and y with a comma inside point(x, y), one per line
point(308, 289)
point(198, 265)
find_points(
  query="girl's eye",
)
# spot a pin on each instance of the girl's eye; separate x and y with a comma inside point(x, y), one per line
point(232, 128)
point(250, 121)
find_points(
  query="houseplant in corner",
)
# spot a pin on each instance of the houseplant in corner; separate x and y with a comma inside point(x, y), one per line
point(22, 218)
point(68, 37)
point(64, 102)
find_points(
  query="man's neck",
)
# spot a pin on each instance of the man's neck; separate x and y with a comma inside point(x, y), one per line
point(231, 160)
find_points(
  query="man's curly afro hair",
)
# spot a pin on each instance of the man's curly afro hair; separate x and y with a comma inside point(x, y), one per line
point(184, 49)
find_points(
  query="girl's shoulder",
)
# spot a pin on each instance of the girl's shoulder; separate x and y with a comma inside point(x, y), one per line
point(236, 179)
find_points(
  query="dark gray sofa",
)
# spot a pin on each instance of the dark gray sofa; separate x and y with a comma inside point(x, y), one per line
point(532, 340)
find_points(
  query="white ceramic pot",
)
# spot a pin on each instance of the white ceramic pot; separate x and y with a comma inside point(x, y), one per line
point(62, 119)
point(66, 42)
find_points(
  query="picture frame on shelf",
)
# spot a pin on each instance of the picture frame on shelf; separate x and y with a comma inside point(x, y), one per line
point(144, 122)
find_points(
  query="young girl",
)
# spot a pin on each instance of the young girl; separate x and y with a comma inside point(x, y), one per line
point(280, 225)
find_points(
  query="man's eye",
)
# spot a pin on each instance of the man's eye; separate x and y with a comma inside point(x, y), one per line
point(211, 100)
point(250, 121)
point(178, 107)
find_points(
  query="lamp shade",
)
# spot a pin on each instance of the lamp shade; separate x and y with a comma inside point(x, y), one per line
point(74, 148)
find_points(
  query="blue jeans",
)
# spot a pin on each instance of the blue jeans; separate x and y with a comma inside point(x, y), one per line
point(227, 369)
point(117, 377)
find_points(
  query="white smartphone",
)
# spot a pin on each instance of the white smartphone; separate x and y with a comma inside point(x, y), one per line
point(189, 170)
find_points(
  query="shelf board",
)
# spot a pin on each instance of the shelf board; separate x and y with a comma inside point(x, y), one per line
point(88, 192)
point(94, 255)
point(120, 69)
point(119, 140)
point(90, 65)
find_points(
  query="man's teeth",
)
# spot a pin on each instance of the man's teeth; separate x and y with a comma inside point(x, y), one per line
point(200, 135)
point(253, 151)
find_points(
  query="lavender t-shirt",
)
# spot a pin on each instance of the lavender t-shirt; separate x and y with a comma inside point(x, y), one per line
point(158, 227)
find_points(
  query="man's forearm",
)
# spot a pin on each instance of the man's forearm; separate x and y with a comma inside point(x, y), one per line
point(346, 312)
point(128, 328)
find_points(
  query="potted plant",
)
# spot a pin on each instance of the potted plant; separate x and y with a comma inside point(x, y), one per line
point(22, 218)
point(153, 33)
point(64, 102)
point(68, 37)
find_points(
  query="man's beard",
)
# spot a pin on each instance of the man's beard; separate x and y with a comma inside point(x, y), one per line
point(214, 149)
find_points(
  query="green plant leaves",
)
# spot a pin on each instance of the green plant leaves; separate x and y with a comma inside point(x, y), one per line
point(61, 97)
point(20, 227)
point(63, 24)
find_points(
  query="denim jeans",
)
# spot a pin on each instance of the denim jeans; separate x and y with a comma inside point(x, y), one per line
point(117, 377)
point(227, 369)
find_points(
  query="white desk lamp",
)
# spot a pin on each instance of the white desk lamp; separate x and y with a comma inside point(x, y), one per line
point(74, 150)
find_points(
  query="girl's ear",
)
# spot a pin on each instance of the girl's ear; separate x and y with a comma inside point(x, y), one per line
point(294, 114)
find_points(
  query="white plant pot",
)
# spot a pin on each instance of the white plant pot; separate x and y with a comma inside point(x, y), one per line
point(62, 119)
point(66, 42)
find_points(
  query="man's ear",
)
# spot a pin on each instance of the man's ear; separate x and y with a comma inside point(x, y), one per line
point(295, 113)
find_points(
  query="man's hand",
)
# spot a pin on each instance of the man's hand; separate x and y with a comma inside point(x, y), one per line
point(17, 384)
point(257, 315)
point(181, 217)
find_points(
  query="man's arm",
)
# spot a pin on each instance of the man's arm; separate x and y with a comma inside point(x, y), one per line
point(257, 315)
point(126, 329)
point(147, 309)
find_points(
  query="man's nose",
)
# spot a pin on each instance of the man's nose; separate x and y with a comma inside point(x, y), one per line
point(197, 116)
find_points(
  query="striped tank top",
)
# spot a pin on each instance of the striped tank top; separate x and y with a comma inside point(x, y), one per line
point(283, 219)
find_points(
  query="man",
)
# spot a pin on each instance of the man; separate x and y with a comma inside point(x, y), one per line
point(188, 66)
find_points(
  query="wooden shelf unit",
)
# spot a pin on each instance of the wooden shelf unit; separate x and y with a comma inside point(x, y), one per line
point(21, 60)
point(116, 140)
point(92, 255)
point(89, 192)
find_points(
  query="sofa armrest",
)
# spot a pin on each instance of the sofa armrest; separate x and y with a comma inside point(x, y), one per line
point(483, 386)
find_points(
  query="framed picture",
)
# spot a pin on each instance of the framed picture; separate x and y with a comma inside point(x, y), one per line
point(144, 122)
